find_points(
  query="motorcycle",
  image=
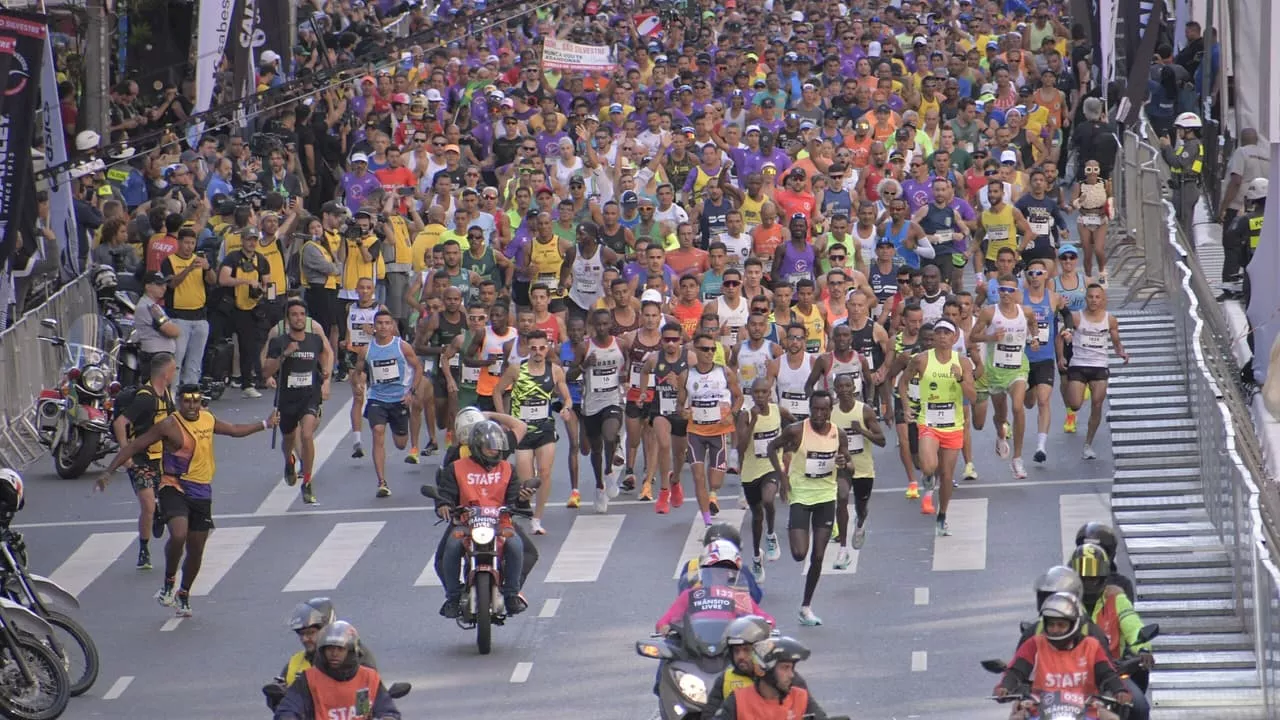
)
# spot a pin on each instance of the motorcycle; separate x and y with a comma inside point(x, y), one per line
point(1067, 704)
point(276, 689)
point(482, 535)
point(73, 420)
point(33, 680)
point(691, 655)
point(39, 594)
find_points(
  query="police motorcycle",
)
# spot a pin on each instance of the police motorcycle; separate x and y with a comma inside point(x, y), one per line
point(73, 419)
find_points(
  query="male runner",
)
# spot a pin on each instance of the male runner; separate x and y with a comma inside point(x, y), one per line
point(434, 334)
point(391, 367)
point(754, 359)
point(859, 423)
point(670, 429)
point(151, 403)
point(757, 427)
point(303, 360)
point(641, 343)
point(1007, 328)
point(709, 396)
point(359, 331)
point(1049, 307)
point(602, 375)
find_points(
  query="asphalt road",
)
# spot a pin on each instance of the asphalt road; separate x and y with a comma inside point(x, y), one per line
point(904, 627)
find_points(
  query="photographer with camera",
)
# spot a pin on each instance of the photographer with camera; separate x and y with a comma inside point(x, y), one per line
point(247, 274)
point(187, 273)
point(364, 240)
point(323, 256)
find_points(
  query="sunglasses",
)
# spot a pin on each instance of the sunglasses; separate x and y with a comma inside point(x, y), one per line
point(1035, 273)
point(1007, 290)
point(837, 258)
point(477, 318)
point(732, 283)
point(437, 144)
point(704, 348)
point(670, 339)
point(1067, 256)
point(1091, 171)
point(989, 173)
point(309, 628)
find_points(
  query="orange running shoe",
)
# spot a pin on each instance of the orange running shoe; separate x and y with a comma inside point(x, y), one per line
point(926, 504)
point(677, 494)
point(663, 506)
point(913, 490)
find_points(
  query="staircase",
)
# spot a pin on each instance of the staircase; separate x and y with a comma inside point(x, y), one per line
point(1207, 667)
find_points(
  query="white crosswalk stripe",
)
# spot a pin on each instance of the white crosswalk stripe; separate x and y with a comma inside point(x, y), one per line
point(91, 559)
point(966, 549)
point(585, 550)
point(334, 557)
point(1075, 510)
point(224, 548)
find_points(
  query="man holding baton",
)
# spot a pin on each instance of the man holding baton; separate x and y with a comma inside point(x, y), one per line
point(300, 362)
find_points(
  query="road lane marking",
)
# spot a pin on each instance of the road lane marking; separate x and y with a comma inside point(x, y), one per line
point(521, 673)
point(922, 596)
point(282, 496)
point(1076, 510)
point(91, 559)
point(335, 556)
point(585, 549)
point(224, 548)
point(919, 661)
point(549, 608)
point(171, 624)
point(966, 549)
point(118, 687)
point(697, 529)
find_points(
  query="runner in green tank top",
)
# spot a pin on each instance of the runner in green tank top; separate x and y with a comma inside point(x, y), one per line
point(469, 347)
point(755, 429)
point(861, 427)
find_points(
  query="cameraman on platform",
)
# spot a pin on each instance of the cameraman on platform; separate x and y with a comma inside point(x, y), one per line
point(248, 275)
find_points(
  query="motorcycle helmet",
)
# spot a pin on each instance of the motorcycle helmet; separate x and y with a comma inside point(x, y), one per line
point(1257, 189)
point(721, 554)
point(722, 531)
point(1100, 534)
point(747, 630)
point(769, 652)
point(104, 280)
point(462, 424)
point(1061, 606)
point(339, 633)
point(316, 611)
point(488, 443)
point(11, 491)
point(1093, 565)
point(1058, 579)
point(1188, 121)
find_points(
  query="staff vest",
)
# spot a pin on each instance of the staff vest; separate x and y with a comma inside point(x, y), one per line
point(753, 706)
point(336, 699)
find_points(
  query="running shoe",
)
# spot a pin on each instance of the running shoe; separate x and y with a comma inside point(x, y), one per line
point(835, 534)
point(913, 491)
point(663, 506)
point(514, 604)
point(157, 525)
point(291, 472)
point(165, 595)
point(1040, 456)
point(431, 449)
point(1088, 453)
point(357, 450)
point(1002, 445)
point(677, 493)
point(844, 558)
point(383, 490)
point(182, 603)
point(451, 609)
point(808, 619)
point(602, 501)
point(250, 393)
point(859, 537)
point(611, 484)
point(771, 549)
point(970, 472)
point(646, 489)
point(706, 519)
point(535, 527)
point(1019, 472)
point(629, 481)
point(926, 503)
point(412, 457)
point(308, 495)
point(1069, 425)
point(941, 529)
point(575, 500)
point(714, 504)
point(757, 567)
point(144, 558)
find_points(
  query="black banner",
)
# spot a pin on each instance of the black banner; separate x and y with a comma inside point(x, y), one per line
point(1135, 93)
point(22, 38)
point(240, 44)
point(273, 16)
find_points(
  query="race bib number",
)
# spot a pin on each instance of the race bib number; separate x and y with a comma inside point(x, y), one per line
point(534, 409)
point(551, 280)
point(733, 334)
point(299, 380)
point(385, 371)
point(358, 336)
point(997, 234)
point(470, 374)
point(667, 402)
point(604, 379)
point(1040, 228)
point(856, 446)
point(1091, 220)
point(940, 414)
point(795, 403)
point(819, 464)
point(1042, 332)
point(495, 367)
point(760, 442)
point(705, 412)
point(428, 365)
point(455, 362)
point(637, 369)
point(943, 237)
point(1007, 357)
point(1093, 341)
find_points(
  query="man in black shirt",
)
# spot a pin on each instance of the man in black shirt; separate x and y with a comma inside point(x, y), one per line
point(146, 406)
point(299, 361)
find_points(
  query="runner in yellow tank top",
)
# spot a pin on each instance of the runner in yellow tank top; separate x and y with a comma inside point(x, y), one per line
point(814, 324)
point(810, 487)
point(750, 208)
point(1000, 226)
point(862, 429)
point(756, 428)
point(946, 382)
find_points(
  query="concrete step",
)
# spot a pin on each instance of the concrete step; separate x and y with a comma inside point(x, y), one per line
point(1200, 626)
point(1153, 489)
point(1138, 517)
point(1156, 576)
point(1221, 700)
point(1149, 339)
point(1144, 502)
point(1171, 412)
point(1188, 591)
point(1158, 367)
point(1254, 712)
point(1139, 390)
point(1171, 381)
point(1171, 474)
point(1142, 359)
point(1179, 560)
point(1167, 530)
point(1206, 641)
point(1155, 432)
point(1149, 457)
point(1188, 679)
point(1208, 660)
point(1140, 402)
point(1192, 543)
point(1154, 610)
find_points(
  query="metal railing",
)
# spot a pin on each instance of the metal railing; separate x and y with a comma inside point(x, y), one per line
point(28, 364)
point(1232, 472)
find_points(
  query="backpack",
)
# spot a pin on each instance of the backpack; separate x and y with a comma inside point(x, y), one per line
point(126, 397)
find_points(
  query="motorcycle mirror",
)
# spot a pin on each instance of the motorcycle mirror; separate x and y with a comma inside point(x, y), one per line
point(429, 491)
point(994, 666)
point(1025, 625)
point(49, 323)
point(399, 690)
point(1148, 633)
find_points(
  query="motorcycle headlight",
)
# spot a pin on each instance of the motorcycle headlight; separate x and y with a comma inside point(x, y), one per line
point(482, 535)
point(692, 687)
point(94, 379)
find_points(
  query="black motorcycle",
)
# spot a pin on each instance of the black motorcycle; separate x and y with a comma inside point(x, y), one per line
point(33, 679)
point(68, 639)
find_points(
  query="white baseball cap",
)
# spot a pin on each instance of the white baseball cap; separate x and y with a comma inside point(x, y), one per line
point(359, 157)
point(651, 296)
point(269, 57)
point(1009, 156)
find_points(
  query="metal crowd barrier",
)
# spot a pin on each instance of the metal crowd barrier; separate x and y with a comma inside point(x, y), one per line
point(1232, 472)
point(27, 364)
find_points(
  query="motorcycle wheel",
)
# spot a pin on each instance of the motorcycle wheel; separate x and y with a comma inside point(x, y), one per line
point(484, 612)
point(72, 648)
point(216, 389)
point(76, 453)
point(48, 698)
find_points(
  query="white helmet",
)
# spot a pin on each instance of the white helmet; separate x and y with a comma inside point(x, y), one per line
point(1257, 189)
point(87, 140)
point(11, 493)
point(718, 552)
point(462, 424)
point(104, 279)
point(1188, 121)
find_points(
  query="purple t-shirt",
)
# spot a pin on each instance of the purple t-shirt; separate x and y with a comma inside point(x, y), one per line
point(356, 188)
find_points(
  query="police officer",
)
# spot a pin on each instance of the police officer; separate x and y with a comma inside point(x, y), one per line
point(1185, 162)
point(1240, 241)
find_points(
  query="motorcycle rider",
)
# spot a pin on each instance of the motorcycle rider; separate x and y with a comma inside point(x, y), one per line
point(692, 576)
point(307, 620)
point(1111, 610)
point(720, 600)
point(1104, 536)
point(1055, 658)
point(339, 686)
point(775, 690)
point(740, 636)
point(1056, 579)
point(483, 479)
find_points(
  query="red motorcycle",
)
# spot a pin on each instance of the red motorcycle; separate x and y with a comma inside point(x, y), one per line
point(73, 419)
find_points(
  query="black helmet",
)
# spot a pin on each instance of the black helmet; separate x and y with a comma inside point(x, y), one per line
point(339, 633)
point(769, 652)
point(1099, 534)
point(747, 630)
point(1091, 561)
point(316, 611)
point(488, 443)
point(722, 531)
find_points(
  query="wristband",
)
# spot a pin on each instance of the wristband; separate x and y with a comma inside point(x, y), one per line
point(264, 424)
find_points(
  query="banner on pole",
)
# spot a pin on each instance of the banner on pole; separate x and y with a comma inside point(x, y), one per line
point(62, 215)
point(561, 55)
point(22, 43)
point(213, 24)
